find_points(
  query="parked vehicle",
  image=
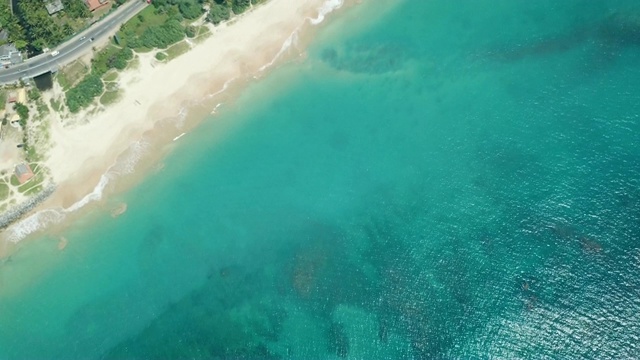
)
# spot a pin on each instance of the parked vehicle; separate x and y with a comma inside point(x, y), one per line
point(55, 52)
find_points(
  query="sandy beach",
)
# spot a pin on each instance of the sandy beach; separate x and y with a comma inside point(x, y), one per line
point(156, 93)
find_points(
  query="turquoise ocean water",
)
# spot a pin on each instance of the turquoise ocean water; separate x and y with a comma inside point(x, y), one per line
point(438, 179)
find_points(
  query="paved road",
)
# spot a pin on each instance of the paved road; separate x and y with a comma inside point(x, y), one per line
point(74, 48)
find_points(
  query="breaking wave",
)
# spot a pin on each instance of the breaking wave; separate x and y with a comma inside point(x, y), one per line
point(125, 164)
point(326, 8)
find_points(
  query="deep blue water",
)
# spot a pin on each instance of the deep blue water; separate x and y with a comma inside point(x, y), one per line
point(437, 180)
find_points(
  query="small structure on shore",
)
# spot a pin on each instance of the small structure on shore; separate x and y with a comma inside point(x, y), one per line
point(23, 172)
point(53, 6)
point(8, 52)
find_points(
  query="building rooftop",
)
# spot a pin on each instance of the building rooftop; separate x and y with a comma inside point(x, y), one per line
point(94, 4)
point(53, 6)
point(23, 173)
point(7, 50)
point(9, 54)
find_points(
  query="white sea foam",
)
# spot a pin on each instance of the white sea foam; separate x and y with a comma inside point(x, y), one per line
point(33, 223)
point(94, 195)
point(224, 88)
point(182, 116)
point(125, 164)
point(326, 8)
point(291, 40)
point(215, 109)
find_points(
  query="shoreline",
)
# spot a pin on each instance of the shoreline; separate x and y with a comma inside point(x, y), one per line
point(201, 82)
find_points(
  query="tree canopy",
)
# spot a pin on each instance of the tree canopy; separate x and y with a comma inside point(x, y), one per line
point(218, 13)
point(83, 94)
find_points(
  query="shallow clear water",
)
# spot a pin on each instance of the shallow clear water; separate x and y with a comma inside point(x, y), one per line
point(437, 180)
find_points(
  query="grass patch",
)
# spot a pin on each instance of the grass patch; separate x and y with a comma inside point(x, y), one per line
point(14, 180)
point(110, 76)
point(138, 24)
point(83, 94)
point(161, 56)
point(32, 186)
point(154, 27)
point(143, 50)
point(134, 64)
point(43, 109)
point(4, 191)
point(71, 74)
point(109, 97)
point(32, 154)
point(34, 190)
point(203, 30)
point(178, 49)
point(63, 80)
point(111, 57)
point(203, 33)
point(145, 19)
point(56, 105)
point(3, 99)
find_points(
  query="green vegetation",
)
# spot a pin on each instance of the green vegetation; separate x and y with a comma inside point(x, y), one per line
point(71, 74)
point(76, 9)
point(190, 9)
point(63, 80)
point(83, 94)
point(42, 30)
point(149, 20)
point(111, 57)
point(203, 32)
point(161, 36)
point(218, 13)
point(30, 153)
point(190, 31)
point(109, 97)
point(134, 63)
point(92, 86)
point(223, 10)
point(3, 99)
point(240, 6)
point(56, 105)
point(161, 56)
point(4, 191)
point(14, 180)
point(178, 49)
point(11, 24)
point(110, 76)
point(42, 108)
point(34, 94)
point(111, 86)
point(160, 25)
point(22, 111)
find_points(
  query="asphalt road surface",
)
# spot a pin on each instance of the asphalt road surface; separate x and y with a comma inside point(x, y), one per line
point(74, 48)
